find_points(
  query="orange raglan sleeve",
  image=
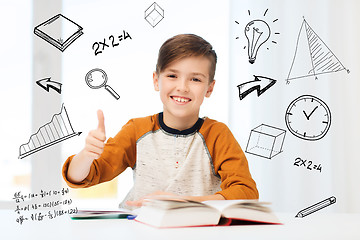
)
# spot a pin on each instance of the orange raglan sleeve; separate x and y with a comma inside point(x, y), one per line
point(230, 163)
point(119, 153)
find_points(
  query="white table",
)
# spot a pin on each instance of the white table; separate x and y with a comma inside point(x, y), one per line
point(316, 226)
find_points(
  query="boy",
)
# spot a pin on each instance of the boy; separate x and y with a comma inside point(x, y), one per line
point(175, 151)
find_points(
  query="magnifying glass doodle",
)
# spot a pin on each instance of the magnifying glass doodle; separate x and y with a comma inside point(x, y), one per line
point(97, 78)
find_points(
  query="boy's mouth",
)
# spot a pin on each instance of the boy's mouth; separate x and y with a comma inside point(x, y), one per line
point(180, 99)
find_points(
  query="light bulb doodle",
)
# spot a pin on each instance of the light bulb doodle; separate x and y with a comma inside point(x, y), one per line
point(257, 33)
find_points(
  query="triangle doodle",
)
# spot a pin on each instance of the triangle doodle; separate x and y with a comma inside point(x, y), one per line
point(312, 56)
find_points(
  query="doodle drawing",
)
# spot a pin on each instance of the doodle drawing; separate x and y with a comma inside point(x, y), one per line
point(59, 31)
point(308, 118)
point(97, 78)
point(257, 32)
point(307, 164)
point(154, 14)
point(316, 207)
point(260, 84)
point(265, 141)
point(57, 130)
point(312, 56)
point(46, 84)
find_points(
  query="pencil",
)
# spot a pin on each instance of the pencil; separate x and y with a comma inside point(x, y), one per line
point(316, 207)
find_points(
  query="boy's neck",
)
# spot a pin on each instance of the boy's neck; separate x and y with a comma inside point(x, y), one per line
point(179, 123)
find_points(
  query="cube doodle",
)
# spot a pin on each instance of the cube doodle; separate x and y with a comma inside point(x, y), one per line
point(154, 14)
point(265, 141)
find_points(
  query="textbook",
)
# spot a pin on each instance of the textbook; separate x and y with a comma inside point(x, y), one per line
point(59, 31)
point(102, 214)
point(163, 213)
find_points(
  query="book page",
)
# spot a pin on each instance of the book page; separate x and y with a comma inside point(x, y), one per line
point(221, 205)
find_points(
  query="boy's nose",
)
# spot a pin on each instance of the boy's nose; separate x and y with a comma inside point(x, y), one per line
point(183, 85)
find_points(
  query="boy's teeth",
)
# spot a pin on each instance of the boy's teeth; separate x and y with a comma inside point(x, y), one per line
point(180, 99)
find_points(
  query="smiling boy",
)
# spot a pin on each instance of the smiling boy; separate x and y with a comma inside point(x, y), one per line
point(175, 151)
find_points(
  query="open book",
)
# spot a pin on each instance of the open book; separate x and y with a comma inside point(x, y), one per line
point(102, 214)
point(185, 213)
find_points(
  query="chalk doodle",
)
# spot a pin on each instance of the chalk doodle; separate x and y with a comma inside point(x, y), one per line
point(46, 84)
point(100, 46)
point(316, 207)
point(48, 204)
point(57, 130)
point(307, 164)
point(97, 78)
point(312, 56)
point(308, 118)
point(19, 197)
point(257, 32)
point(265, 141)
point(59, 31)
point(260, 84)
point(154, 14)
point(43, 208)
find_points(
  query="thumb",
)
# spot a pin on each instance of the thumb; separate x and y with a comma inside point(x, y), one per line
point(101, 119)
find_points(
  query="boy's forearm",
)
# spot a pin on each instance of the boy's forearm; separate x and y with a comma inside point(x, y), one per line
point(208, 197)
point(140, 202)
point(79, 168)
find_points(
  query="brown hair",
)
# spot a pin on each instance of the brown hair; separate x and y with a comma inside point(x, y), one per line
point(182, 46)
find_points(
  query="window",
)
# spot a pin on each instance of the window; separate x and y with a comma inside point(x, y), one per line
point(15, 95)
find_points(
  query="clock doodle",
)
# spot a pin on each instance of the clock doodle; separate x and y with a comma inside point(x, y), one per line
point(308, 117)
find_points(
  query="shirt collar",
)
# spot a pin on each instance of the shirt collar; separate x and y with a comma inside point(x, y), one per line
point(174, 131)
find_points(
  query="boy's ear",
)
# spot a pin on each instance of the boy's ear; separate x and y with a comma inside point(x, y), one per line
point(156, 81)
point(210, 89)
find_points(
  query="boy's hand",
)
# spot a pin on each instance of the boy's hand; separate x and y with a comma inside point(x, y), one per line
point(79, 167)
point(95, 141)
point(157, 194)
point(167, 195)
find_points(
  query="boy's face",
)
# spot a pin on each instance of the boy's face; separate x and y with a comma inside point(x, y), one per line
point(183, 86)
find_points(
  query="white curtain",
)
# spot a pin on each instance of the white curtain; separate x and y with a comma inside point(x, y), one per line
point(290, 187)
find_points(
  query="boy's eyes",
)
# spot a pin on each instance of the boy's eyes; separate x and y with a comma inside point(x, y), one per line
point(196, 79)
point(192, 79)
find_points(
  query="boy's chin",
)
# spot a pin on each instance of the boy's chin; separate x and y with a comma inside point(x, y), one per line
point(182, 114)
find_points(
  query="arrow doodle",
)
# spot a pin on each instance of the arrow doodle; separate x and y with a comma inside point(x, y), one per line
point(46, 84)
point(260, 84)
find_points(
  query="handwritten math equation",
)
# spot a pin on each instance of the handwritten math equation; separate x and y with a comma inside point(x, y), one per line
point(18, 196)
point(43, 209)
point(111, 41)
point(307, 164)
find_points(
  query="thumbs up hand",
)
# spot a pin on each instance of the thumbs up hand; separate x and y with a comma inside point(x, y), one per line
point(95, 141)
point(101, 119)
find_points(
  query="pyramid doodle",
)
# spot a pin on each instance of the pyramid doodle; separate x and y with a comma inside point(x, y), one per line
point(312, 56)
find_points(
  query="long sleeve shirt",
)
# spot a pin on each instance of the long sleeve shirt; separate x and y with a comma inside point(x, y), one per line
point(202, 160)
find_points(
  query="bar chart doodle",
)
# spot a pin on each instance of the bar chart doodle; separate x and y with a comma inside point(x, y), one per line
point(57, 130)
point(316, 207)
point(312, 56)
